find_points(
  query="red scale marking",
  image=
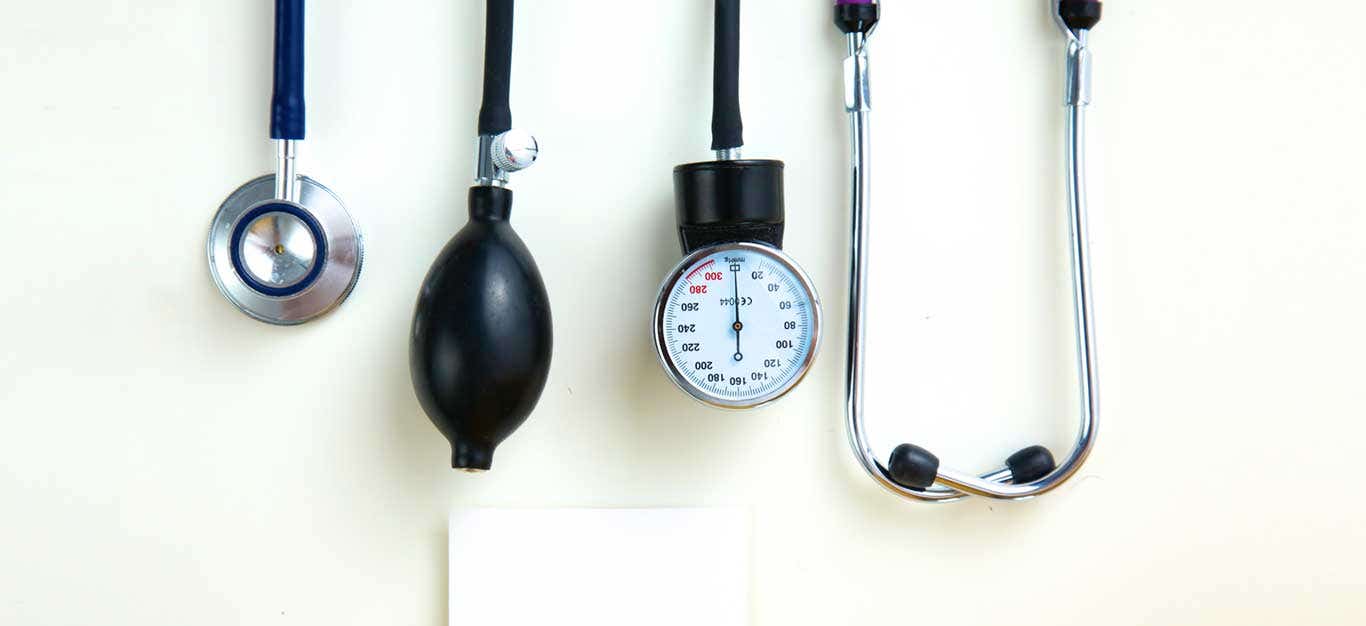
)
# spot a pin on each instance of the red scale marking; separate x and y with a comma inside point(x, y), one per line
point(700, 268)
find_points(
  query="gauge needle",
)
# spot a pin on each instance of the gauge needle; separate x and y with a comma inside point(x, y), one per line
point(737, 325)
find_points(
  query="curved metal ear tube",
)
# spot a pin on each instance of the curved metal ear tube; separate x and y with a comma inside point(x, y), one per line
point(913, 472)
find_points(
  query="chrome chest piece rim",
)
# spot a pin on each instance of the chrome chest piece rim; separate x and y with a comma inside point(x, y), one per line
point(284, 262)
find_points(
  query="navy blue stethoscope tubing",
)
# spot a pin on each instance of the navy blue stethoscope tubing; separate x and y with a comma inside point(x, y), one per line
point(287, 97)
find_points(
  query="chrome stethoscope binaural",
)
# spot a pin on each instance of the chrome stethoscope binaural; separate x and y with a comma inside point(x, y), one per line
point(913, 472)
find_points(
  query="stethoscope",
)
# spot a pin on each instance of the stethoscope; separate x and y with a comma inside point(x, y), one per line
point(911, 471)
point(282, 248)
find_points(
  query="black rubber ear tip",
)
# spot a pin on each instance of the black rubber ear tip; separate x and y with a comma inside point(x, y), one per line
point(1030, 464)
point(1080, 14)
point(913, 467)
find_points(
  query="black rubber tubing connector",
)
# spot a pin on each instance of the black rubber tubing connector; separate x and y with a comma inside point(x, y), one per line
point(727, 128)
point(495, 115)
point(913, 467)
point(1080, 14)
point(725, 201)
point(1030, 464)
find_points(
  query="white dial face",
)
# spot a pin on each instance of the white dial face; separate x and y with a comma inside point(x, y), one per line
point(737, 325)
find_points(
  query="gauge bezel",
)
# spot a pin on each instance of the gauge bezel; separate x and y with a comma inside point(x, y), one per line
point(671, 369)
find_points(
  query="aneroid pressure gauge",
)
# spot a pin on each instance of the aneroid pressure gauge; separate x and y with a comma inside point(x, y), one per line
point(737, 323)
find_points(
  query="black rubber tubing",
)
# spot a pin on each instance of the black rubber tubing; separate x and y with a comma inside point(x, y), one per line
point(727, 129)
point(495, 115)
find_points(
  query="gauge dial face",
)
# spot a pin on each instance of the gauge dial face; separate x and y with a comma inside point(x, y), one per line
point(737, 325)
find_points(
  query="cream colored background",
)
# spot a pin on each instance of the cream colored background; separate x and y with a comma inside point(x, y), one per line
point(165, 460)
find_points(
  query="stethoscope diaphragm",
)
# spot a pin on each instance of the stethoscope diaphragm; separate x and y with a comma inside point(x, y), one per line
point(284, 262)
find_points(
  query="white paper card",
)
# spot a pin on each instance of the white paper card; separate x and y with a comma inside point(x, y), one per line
point(606, 567)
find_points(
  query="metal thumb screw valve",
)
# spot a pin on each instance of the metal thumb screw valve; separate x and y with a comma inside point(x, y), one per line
point(514, 150)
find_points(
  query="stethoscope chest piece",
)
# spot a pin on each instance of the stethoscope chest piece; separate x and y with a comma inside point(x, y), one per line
point(282, 248)
point(284, 262)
